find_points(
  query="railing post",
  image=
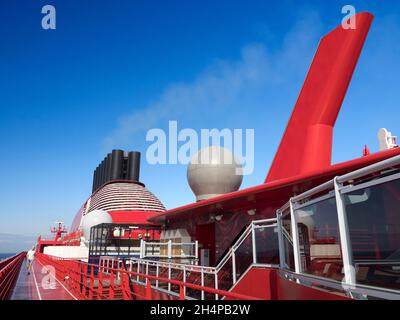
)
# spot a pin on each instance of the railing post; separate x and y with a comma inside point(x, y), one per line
point(100, 286)
point(184, 279)
point(148, 289)
point(196, 250)
point(253, 238)
point(202, 283)
point(138, 270)
point(141, 248)
point(280, 240)
point(216, 284)
point(111, 288)
point(295, 236)
point(169, 249)
point(91, 282)
point(169, 276)
point(233, 266)
point(182, 292)
point(157, 273)
point(345, 240)
point(124, 286)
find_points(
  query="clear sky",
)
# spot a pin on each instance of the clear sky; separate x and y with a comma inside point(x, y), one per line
point(114, 69)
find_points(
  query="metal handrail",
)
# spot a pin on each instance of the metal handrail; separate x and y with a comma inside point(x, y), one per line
point(215, 271)
point(8, 274)
point(84, 289)
point(362, 290)
point(385, 164)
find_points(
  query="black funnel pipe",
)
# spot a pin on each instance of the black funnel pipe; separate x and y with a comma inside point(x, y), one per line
point(117, 158)
point(94, 180)
point(103, 172)
point(108, 168)
point(133, 166)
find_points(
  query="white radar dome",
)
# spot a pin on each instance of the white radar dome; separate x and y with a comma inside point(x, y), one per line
point(214, 171)
point(93, 218)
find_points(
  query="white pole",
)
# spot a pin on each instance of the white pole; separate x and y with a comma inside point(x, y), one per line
point(169, 249)
point(345, 241)
point(233, 267)
point(295, 236)
point(253, 238)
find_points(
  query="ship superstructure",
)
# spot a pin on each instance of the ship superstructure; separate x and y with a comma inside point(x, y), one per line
point(312, 230)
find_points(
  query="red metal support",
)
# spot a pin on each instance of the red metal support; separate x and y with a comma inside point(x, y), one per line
point(306, 145)
point(100, 285)
point(148, 289)
point(75, 267)
point(181, 293)
point(112, 285)
point(91, 286)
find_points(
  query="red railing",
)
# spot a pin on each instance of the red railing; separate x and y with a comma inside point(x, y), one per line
point(9, 270)
point(93, 282)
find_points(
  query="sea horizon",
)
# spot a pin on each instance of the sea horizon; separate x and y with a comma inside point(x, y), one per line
point(5, 255)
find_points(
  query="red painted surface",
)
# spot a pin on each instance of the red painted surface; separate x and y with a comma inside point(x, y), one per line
point(133, 217)
point(290, 290)
point(307, 142)
point(258, 282)
point(205, 235)
point(9, 269)
point(267, 284)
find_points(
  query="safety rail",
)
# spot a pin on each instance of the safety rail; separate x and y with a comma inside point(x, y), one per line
point(9, 270)
point(351, 207)
point(253, 248)
point(100, 282)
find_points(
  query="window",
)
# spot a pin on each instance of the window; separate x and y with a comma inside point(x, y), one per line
point(373, 215)
point(319, 241)
point(267, 246)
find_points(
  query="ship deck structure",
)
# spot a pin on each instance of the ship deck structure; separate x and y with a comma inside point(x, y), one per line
point(312, 230)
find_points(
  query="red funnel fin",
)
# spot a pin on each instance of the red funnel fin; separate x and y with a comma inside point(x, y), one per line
point(307, 142)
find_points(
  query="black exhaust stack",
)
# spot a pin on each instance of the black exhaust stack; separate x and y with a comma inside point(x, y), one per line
point(117, 165)
point(133, 166)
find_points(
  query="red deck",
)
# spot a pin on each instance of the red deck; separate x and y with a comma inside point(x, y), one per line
point(39, 286)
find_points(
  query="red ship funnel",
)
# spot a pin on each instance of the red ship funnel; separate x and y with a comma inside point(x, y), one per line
point(307, 142)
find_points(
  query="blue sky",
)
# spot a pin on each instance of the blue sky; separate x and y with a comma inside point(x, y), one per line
point(114, 69)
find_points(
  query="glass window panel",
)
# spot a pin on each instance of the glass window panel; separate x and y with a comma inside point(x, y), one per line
point(244, 256)
point(373, 215)
point(319, 240)
point(267, 245)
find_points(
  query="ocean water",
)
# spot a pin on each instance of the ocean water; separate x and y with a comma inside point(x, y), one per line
point(5, 255)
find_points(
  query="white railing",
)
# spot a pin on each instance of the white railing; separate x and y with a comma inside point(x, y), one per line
point(223, 276)
point(108, 262)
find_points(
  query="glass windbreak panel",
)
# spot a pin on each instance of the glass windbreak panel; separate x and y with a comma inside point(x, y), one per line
point(373, 215)
point(225, 280)
point(319, 241)
point(244, 256)
point(287, 241)
point(267, 245)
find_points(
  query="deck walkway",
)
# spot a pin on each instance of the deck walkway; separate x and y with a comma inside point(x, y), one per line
point(38, 285)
